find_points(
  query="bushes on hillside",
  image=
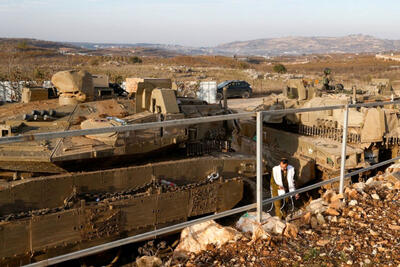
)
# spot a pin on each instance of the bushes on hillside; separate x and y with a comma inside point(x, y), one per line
point(280, 68)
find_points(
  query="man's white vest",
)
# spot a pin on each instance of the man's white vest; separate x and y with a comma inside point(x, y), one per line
point(276, 171)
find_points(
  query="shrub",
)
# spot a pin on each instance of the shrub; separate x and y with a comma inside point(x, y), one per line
point(244, 65)
point(280, 68)
point(94, 61)
point(38, 74)
point(134, 60)
point(22, 45)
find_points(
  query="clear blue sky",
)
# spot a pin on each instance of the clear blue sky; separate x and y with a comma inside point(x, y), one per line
point(195, 23)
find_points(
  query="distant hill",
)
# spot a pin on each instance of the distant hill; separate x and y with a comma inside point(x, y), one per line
point(357, 43)
point(33, 43)
point(261, 47)
point(96, 49)
point(310, 45)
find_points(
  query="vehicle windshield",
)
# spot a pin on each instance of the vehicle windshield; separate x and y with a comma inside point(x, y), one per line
point(223, 84)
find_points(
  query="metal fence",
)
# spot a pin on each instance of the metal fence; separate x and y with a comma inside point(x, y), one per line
point(260, 200)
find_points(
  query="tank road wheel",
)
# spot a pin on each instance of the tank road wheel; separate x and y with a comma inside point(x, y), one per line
point(219, 96)
point(245, 94)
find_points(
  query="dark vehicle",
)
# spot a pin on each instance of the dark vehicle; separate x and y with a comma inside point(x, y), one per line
point(235, 88)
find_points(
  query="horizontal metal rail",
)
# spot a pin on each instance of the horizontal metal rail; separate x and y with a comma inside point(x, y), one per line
point(124, 128)
point(151, 125)
point(180, 226)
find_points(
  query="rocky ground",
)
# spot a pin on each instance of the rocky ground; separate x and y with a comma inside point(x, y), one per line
point(359, 228)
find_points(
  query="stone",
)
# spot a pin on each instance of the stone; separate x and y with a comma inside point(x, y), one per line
point(397, 186)
point(373, 183)
point(375, 196)
point(317, 206)
point(248, 223)
point(322, 242)
point(359, 187)
point(351, 193)
point(388, 186)
point(314, 222)
point(320, 219)
point(353, 202)
point(274, 225)
point(394, 227)
point(197, 237)
point(291, 231)
point(148, 261)
point(259, 233)
point(328, 195)
point(336, 197)
point(337, 204)
point(332, 212)
point(369, 181)
point(373, 233)
point(306, 218)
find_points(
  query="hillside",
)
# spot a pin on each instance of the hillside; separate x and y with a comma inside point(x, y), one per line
point(274, 46)
point(260, 47)
point(32, 43)
point(310, 45)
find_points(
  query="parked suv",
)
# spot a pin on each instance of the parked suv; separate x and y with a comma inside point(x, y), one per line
point(234, 88)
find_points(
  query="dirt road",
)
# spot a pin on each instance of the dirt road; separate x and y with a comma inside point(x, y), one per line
point(241, 104)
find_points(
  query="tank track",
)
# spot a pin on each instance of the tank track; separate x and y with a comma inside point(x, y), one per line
point(106, 198)
point(327, 132)
point(337, 135)
point(89, 219)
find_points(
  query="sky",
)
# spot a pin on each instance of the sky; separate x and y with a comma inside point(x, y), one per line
point(195, 23)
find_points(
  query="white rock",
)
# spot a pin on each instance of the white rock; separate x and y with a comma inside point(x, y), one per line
point(274, 225)
point(317, 206)
point(359, 187)
point(353, 202)
point(196, 238)
point(375, 196)
point(369, 181)
point(148, 261)
point(248, 222)
point(320, 219)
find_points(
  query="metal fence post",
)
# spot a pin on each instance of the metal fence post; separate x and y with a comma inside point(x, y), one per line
point(259, 165)
point(344, 145)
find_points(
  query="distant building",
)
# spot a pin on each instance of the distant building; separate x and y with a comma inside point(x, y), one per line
point(391, 57)
point(65, 50)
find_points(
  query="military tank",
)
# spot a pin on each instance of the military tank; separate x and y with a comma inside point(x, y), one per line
point(66, 194)
point(312, 157)
point(53, 215)
point(76, 111)
point(374, 130)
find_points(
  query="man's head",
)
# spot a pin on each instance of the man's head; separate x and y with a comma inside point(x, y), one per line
point(284, 164)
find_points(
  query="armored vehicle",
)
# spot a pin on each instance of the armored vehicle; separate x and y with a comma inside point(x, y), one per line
point(375, 130)
point(71, 153)
point(313, 158)
point(71, 193)
point(53, 215)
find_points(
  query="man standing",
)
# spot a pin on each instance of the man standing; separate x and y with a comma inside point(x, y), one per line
point(282, 181)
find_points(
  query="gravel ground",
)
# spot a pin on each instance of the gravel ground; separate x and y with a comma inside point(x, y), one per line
point(362, 229)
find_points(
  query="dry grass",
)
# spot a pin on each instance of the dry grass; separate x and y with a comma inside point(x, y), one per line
point(40, 64)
